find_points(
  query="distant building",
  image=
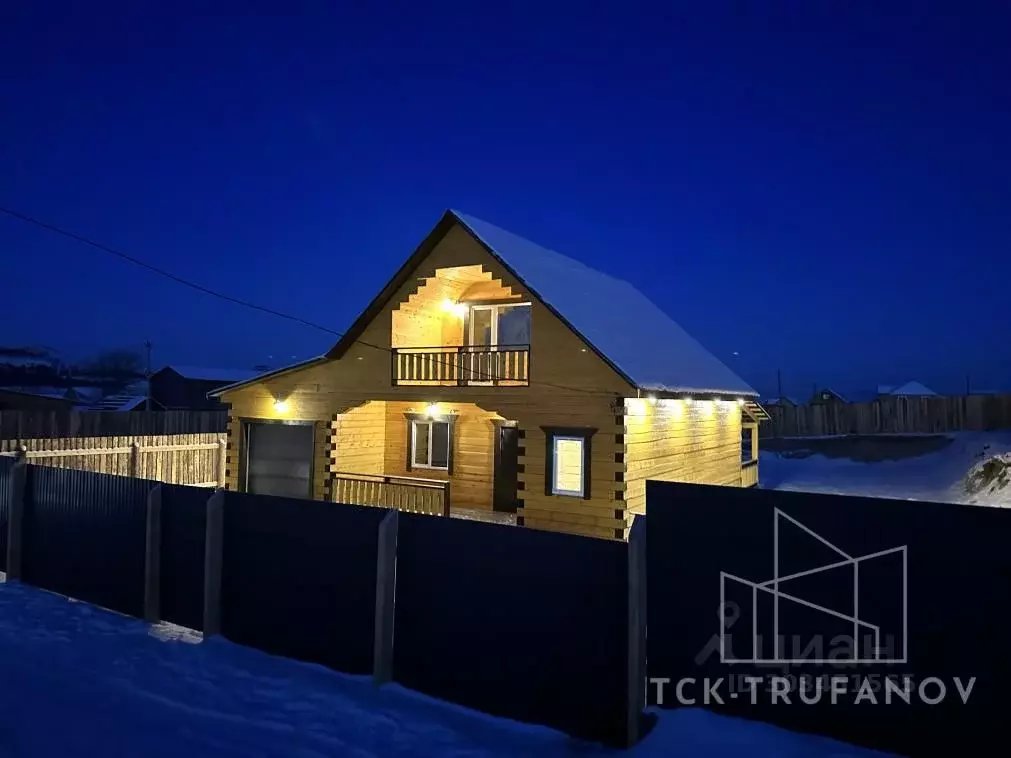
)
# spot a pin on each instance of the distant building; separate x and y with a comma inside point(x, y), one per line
point(781, 402)
point(909, 389)
point(186, 387)
point(34, 399)
point(828, 396)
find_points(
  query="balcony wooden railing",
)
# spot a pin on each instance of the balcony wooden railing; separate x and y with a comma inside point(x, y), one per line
point(403, 493)
point(749, 473)
point(463, 365)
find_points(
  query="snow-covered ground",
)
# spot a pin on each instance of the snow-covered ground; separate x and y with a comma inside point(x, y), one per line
point(80, 681)
point(938, 476)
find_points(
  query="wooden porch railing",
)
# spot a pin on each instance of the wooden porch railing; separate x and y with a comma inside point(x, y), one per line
point(749, 473)
point(404, 493)
point(462, 365)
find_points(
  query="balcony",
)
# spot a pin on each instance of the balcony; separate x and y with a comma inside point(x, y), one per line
point(462, 366)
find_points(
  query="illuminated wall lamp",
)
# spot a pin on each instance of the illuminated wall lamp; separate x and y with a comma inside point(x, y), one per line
point(432, 410)
point(281, 406)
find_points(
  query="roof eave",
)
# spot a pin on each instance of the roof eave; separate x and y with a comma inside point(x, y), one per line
point(269, 375)
point(676, 392)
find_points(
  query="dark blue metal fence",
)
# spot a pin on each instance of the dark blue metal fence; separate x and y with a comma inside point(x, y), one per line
point(183, 533)
point(520, 623)
point(299, 579)
point(84, 536)
point(940, 604)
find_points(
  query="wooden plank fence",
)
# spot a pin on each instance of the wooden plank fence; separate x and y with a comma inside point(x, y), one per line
point(891, 415)
point(24, 424)
point(194, 459)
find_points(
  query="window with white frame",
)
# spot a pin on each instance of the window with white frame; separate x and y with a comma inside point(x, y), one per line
point(568, 461)
point(431, 444)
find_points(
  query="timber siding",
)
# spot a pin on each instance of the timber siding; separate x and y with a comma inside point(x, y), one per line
point(675, 441)
point(571, 385)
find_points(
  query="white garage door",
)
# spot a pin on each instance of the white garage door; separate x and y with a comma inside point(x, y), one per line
point(279, 459)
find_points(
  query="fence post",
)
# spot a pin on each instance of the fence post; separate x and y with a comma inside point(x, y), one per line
point(152, 557)
point(445, 505)
point(636, 694)
point(222, 452)
point(386, 582)
point(134, 459)
point(17, 487)
point(212, 563)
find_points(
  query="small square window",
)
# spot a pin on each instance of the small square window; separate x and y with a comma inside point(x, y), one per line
point(430, 444)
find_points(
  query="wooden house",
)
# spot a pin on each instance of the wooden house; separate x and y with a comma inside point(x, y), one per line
point(493, 374)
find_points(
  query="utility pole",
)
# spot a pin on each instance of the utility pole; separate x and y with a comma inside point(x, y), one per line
point(147, 400)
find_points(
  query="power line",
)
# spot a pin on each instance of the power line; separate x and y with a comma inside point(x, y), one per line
point(163, 272)
point(240, 301)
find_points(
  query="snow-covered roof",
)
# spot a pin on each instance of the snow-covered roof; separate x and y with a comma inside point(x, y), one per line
point(121, 401)
point(54, 393)
point(909, 389)
point(229, 375)
point(641, 340)
point(785, 400)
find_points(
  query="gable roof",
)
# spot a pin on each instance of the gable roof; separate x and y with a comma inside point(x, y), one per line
point(627, 330)
point(203, 374)
point(219, 391)
point(909, 389)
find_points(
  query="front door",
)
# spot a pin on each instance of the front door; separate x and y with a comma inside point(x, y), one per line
point(506, 458)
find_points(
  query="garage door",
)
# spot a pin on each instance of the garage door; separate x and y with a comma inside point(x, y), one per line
point(279, 459)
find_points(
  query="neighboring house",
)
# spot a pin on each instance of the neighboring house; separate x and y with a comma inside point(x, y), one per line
point(188, 387)
point(528, 381)
point(34, 399)
point(828, 395)
point(126, 401)
point(909, 389)
point(782, 402)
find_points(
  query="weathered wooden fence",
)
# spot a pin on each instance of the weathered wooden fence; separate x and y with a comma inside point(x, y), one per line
point(40, 424)
point(314, 581)
point(195, 459)
point(891, 415)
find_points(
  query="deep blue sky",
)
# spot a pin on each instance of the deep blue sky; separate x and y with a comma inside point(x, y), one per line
point(822, 188)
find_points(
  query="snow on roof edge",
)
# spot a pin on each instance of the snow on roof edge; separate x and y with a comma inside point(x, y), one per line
point(575, 290)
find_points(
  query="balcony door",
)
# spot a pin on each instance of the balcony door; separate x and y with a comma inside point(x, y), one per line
point(493, 327)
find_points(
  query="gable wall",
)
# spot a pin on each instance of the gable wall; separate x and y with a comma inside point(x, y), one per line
point(571, 386)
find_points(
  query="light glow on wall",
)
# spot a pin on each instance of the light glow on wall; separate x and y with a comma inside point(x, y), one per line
point(282, 406)
point(432, 410)
point(457, 309)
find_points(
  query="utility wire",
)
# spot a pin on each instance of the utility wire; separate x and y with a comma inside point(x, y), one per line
point(246, 303)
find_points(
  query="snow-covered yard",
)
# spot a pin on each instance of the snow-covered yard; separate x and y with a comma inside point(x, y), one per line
point(938, 475)
point(80, 681)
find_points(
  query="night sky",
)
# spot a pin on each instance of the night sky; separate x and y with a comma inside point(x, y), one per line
point(818, 187)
